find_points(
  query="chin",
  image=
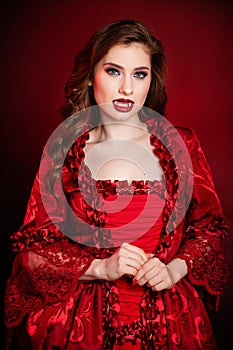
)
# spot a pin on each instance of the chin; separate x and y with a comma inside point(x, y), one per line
point(108, 111)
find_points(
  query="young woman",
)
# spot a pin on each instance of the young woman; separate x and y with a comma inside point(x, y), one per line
point(127, 253)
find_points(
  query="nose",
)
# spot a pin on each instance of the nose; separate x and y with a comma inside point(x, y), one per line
point(126, 87)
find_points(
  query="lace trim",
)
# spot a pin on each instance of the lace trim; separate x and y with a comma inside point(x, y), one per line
point(206, 263)
point(149, 330)
point(107, 187)
point(153, 314)
point(169, 187)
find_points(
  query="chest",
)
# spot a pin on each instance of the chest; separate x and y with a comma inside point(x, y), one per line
point(123, 160)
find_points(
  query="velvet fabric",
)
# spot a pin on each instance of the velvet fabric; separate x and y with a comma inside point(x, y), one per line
point(47, 307)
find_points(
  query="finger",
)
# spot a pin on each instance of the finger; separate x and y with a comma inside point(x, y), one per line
point(128, 270)
point(152, 264)
point(148, 279)
point(131, 258)
point(155, 280)
point(149, 273)
point(161, 274)
point(135, 249)
point(150, 255)
point(129, 261)
point(161, 281)
point(138, 251)
point(161, 286)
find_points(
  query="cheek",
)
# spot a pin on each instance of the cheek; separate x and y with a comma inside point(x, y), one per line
point(148, 86)
point(97, 89)
point(98, 83)
point(101, 87)
point(144, 91)
point(104, 89)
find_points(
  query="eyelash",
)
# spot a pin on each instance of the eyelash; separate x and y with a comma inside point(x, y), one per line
point(115, 72)
point(140, 75)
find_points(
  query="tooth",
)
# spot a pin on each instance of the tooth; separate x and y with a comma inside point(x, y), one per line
point(123, 104)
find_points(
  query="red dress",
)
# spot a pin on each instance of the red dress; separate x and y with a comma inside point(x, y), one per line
point(47, 306)
point(135, 215)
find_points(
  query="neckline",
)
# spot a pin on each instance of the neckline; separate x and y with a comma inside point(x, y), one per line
point(119, 187)
point(135, 183)
point(125, 182)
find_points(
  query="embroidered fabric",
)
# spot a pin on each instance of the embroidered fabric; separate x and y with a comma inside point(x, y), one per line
point(144, 232)
point(61, 311)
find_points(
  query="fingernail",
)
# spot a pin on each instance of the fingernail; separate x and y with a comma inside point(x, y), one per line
point(134, 282)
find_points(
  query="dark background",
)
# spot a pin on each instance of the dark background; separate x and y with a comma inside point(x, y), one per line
point(38, 42)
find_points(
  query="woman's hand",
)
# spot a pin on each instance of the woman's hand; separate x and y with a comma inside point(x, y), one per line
point(159, 276)
point(127, 260)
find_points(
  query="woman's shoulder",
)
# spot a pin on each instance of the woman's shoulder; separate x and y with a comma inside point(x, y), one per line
point(185, 131)
point(188, 134)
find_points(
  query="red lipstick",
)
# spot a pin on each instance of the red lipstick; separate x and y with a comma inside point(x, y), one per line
point(123, 105)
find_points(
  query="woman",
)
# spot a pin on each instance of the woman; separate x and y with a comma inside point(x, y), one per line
point(141, 262)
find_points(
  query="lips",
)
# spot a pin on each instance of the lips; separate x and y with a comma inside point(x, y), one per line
point(123, 105)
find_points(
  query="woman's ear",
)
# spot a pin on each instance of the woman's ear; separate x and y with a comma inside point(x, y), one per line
point(89, 83)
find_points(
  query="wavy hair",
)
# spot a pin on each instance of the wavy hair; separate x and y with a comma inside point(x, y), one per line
point(79, 95)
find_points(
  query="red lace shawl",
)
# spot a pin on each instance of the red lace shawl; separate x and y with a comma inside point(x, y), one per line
point(44, 281)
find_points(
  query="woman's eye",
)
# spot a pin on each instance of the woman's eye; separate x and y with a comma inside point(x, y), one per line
point(140, 75)
point(113, 71)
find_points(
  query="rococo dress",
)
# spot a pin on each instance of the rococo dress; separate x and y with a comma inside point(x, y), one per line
point(48, 307)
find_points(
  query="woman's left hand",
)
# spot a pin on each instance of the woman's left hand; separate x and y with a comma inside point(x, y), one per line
point(155, 274)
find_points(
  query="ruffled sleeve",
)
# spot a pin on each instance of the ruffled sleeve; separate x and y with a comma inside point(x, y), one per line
point(47, 265)
point(204, 229)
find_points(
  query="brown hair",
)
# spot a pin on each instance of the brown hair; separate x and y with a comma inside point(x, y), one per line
point(78, 95)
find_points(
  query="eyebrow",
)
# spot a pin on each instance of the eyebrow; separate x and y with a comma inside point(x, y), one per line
point(120, 67)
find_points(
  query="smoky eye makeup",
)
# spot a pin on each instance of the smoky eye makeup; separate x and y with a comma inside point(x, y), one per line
point(116, 70)
point(112, 71)
point(140, 74)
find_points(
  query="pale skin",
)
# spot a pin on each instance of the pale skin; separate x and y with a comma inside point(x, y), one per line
point(125, 72)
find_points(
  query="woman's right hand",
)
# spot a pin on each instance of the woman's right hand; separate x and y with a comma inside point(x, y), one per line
point(127, 260)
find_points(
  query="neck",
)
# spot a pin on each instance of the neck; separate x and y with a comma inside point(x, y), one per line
point(113, 130)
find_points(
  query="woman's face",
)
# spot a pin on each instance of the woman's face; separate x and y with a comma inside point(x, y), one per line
point(121, 80)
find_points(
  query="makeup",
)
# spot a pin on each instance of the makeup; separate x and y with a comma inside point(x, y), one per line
point(123, 105)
